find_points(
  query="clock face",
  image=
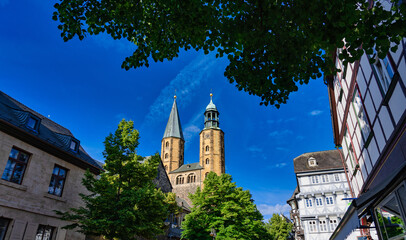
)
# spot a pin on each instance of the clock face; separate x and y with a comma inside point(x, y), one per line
point(207, 135)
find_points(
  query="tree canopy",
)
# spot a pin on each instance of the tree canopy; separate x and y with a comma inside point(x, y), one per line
point(122, 202)
point(226, 208)
point(278, 227)
point(272, 45)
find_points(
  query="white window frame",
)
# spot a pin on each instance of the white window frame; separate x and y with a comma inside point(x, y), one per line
point(329, 200)
point(315, 179)
point(333, 224)
point(319, 202)
point(323, 225)
point(312, 226)
point(336, 177)
point(308, 203)
point(324, 178)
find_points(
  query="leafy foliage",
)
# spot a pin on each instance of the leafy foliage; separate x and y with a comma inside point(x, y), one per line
point(278, 227)
point(123, 202)
point(272, 45)
point(223, 206)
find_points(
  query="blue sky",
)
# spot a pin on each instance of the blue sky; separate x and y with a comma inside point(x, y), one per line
point(80, 85)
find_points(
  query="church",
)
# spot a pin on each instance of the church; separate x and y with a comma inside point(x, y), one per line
point(185, 178)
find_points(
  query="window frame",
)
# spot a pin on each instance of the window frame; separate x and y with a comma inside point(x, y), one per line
point(337, 176)
point(7, 225)
point(308, 203)
point(44, 228)
point(16, 160)
point(318, 201)
point(58, 177)
point(312, 226)
point(362, 116)
point(37, 122)
point(323, 225)
point(314, 179)
point(331, 201)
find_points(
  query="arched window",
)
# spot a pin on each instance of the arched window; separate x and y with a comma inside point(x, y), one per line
point(191, 178)
point(167, 144)
point(205, 175)
point(207, 161)
point(179, 180)
point(207, 148)
point(166, 155)
point(166, 167)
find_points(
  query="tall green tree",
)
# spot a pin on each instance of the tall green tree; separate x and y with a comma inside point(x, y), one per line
point(226, 208)
point(278, 227)
point(122, 202)
point(272, 45)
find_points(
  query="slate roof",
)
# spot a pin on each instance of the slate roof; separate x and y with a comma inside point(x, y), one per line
point(188, 167)
point(182, 203)
point(211, 106)
point(16, 113)
point(326, 160)
point(173, 127)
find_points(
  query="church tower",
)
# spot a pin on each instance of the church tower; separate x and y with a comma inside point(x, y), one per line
point(172, 145)
point(212, 142)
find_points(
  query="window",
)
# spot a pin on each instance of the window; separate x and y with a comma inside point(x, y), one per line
point(333, 224)
point(32, 123)
point(44, 232)
point(337, 177)
point(191, 178)
point(167, 144)
point(329, 200)
point(312, 162)
point(205, 175)
point(16, 165)
point(319, 202)
point(166, 167)
point(324, 178)
point(180, 180)
point(4, 222)
point(309, 203)
point(315, 179)
point(166, 155)
point(207, 161)
point(207, 148)
point(73, 145)
point(312, 226)
point(57, 181)
point(383, 72)
point(361, 117)
point(323, 226)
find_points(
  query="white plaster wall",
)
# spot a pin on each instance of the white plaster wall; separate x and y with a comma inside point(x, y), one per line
point(397, 102)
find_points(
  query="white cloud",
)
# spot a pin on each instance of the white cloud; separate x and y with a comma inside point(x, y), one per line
point(315, 112)
point(187, 82)
point(254, 149)
point(278, 133)
point(278, 165)
point(267, 209)
point(190, 131)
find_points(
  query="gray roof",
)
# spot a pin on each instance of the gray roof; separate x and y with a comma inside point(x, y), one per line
point(326, 160)
point(173, 127)
point(182, 203)
point(187, 167)
point(16, 113)
point(211, 106)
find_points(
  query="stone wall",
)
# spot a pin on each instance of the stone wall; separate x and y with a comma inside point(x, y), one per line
point(214, 140)
point(183, 190)
point(29, 204)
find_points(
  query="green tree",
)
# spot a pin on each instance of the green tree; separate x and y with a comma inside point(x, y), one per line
point(226, 208)
point(278, 227)
point(272, 45)
point(123, 201)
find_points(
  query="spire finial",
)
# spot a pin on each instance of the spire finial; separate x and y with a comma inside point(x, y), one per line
point(211, 94)
point(175, 95)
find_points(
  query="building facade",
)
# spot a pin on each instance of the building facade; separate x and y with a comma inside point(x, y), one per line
point(368, 102)
point(41, 166)
point(318, 203)
point(185, 178)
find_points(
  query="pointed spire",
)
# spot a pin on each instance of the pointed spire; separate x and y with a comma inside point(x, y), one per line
point(173, 127)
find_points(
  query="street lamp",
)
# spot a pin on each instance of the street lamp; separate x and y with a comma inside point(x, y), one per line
point(213, 233)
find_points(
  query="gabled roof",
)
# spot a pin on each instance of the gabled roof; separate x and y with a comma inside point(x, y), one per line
point(15, 113)
point(326, 160)
point(188, 167)
point(173, 127)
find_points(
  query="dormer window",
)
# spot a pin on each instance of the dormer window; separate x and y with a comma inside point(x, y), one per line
point(32, 123)
point(312, 162)
point(74, 145)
